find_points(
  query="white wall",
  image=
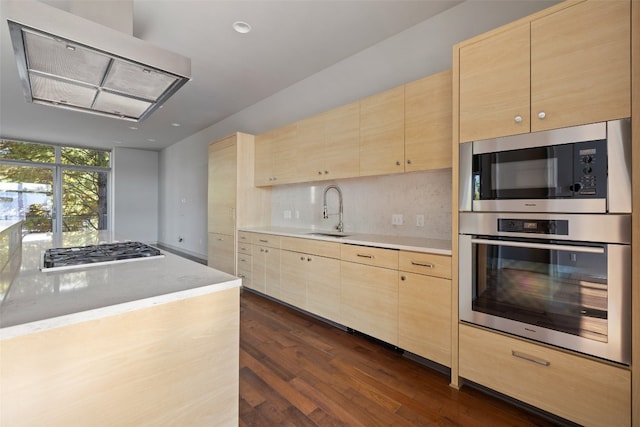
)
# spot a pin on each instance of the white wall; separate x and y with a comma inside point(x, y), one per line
point(135, 179)
point(417, 52)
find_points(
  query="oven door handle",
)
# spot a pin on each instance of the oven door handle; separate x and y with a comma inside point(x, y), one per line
point(586, 249)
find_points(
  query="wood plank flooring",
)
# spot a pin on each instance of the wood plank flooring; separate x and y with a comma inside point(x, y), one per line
point(298, 371)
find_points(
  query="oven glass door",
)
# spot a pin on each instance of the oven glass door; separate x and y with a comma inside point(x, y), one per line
point(554, 285)
point(531, 173)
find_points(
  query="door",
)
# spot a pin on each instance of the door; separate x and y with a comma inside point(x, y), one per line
point(494, 85)
point(580, 62)
point(382, 133)
point(222, 187)
point(427, 139)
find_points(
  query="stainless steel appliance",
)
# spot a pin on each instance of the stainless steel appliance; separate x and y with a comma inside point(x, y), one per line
point(561, 279)
point(83, 256)
point(581, 169)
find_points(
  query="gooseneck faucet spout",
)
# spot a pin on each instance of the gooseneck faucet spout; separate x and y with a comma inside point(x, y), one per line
point(325, 212)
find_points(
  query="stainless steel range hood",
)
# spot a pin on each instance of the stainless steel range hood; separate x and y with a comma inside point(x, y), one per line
point(70, 62)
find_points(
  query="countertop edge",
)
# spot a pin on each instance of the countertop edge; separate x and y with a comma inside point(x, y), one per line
point(112, 310)
point(378, 241)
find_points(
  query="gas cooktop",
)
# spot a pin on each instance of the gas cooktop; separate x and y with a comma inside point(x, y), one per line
point(83, 256)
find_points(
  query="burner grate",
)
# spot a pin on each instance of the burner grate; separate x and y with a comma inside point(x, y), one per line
point(107, 252)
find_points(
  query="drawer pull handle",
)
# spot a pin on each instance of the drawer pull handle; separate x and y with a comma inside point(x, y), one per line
point(422, 264)
point(530, 358)
point(365, 256)
point(264, 241)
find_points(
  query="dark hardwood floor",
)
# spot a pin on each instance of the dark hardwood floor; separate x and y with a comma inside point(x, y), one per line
point(298, 371)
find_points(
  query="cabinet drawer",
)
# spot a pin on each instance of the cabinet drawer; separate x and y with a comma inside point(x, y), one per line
point(244, 247)
point(244, 236)
point(387, 258)
point(579, 389)
point(429, 264)
point(311, 246)
point(269, 240)
point(244, 262)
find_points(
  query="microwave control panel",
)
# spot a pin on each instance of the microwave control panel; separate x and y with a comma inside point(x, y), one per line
point(590, 168)
point(535, 226)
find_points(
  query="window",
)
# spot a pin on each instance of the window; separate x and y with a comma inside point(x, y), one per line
point(38, 180)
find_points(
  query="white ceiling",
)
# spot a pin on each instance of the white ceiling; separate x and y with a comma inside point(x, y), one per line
point(290, 40)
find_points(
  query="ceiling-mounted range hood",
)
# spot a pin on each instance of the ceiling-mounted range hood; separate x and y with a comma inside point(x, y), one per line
point(70, 62)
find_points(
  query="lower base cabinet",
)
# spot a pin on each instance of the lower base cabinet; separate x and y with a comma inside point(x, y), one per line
point(369, 300)
point(222, 252)
point(424, 316)
point(580, 389)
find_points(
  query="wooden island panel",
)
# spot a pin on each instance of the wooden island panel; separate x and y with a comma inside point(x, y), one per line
point(170, 364)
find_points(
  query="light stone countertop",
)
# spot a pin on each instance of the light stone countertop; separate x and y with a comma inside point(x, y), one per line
point(38, 300)
point(6, 224)
point(415, 244)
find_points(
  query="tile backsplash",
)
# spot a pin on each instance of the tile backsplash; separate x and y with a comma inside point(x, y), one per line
point(370, 203)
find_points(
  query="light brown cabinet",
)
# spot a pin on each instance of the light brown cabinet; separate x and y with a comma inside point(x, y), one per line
point(582, 390)
point(310, 276)
point(265, 268)
point(424, 305)
point(568, 68)
point(331, 144)
point(427, 123)
point(245, 259)
point(233, 201)
point(382, 133)
point(276, 156)
point(369, 291)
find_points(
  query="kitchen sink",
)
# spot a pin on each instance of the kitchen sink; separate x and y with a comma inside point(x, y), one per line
point(336, 234)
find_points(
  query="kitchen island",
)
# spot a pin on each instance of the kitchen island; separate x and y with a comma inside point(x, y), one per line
point(145, 342)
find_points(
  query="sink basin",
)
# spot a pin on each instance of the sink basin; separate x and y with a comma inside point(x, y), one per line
point(336, 234)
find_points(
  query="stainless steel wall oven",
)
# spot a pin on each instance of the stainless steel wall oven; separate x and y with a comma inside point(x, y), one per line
point(545, 237)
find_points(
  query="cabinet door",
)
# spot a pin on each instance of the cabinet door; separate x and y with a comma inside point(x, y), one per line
point(427, 123)
point(424, 322)
point(222, 186)
point(272, 272)
point(579, 389)
point(284, 155)
point(494, 85)
point(259, 268)
point(340, 153)
point(323, 287)
point(310, 137)
point(382, 133)
point(263, 162)
point(369, 300)
point(293, 278)
point(222, 252)
point(580, 65)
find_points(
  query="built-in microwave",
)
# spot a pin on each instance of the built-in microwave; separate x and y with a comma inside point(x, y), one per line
point(580, 169)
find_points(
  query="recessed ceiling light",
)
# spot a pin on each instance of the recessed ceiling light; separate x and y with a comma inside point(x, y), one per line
point(151, 140)
point(241, 27)
point(176, 125)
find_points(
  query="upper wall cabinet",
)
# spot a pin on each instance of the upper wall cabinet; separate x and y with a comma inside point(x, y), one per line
point(330, 145)
point(568, 68)
point(382, 133)
point(276, 155)
point(427, 123)
point(404, 129)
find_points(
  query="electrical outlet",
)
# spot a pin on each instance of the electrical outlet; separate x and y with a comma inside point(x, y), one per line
point(420, 220)
point(397, 219)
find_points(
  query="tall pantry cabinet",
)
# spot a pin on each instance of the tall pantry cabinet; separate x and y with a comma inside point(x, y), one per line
point(233, 200)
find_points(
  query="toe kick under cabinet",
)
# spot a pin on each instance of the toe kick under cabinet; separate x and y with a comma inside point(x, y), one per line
point(583, 390)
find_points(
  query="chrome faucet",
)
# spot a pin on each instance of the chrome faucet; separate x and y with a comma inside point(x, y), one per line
point(325, 212)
